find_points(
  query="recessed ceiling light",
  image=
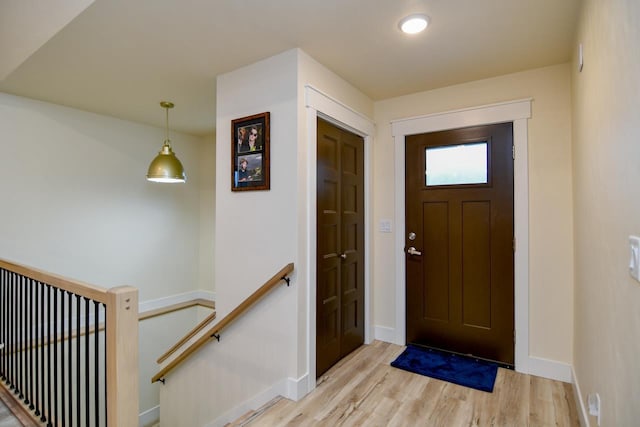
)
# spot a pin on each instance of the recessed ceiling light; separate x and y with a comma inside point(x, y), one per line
point(413, 24)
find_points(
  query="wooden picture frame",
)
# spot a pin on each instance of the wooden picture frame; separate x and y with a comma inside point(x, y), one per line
point(250, 146)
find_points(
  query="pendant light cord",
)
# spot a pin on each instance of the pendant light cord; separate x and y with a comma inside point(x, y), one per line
point(166, 139)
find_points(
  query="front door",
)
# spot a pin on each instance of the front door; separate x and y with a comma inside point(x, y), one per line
point(340, 245)
point(459, 242)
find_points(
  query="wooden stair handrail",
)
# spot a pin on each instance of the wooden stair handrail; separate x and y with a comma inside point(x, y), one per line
point(144, 315)
point(73, 334)
point(192, 333)
point(215, 329)
point(95, 293)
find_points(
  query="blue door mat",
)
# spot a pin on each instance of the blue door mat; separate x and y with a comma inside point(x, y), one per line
point(458, 369)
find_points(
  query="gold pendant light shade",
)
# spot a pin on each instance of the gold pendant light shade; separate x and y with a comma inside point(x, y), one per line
point(166, 167)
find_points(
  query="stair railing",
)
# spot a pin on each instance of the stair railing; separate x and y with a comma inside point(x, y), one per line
point(54, 356)
point(214, 331)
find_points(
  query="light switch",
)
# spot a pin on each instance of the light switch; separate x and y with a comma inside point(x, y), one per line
point(385, 226)
point(634, 257)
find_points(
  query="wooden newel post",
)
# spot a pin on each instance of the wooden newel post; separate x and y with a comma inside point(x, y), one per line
point(122, 357)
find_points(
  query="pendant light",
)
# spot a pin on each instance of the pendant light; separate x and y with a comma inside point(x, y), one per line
point(166, 167)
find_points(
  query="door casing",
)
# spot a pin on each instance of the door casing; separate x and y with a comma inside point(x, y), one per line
point(518, 112)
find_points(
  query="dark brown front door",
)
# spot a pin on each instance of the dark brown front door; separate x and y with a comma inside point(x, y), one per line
point(340, 247)
point(459, 205)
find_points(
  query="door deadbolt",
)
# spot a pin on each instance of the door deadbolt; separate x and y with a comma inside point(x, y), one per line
point(412, 236)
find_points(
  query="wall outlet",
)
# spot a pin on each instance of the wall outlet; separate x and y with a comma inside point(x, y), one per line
point(634, 257)
point(580, 58)
point(593, 404)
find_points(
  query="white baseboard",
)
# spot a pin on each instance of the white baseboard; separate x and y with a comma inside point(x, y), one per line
point(290, 388)
point(384, 333)
point(252, 404)
point(550, 369)
point(155, 304)
point(149, 416)
point(534, 365)
point(582, 411)
point(297, 389)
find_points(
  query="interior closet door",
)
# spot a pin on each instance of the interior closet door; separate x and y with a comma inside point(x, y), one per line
point(340, 245)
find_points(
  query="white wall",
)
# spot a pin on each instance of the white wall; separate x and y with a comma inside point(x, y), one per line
point(550, 210)
point(74, 201)
point(207, 185)
point(157, 335)
point(258, 232)
point(256, 235)
point(606, 153)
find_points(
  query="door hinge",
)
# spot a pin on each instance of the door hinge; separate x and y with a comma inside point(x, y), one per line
point(514, 244)
point(513, 151)
point(514, 336)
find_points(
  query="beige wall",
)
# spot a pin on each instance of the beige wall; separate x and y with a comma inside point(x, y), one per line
point(550, 209)
point(606, 152)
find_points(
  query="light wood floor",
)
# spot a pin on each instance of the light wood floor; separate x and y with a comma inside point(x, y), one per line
point(12, 413)
point(363, 390)
point(7, 419)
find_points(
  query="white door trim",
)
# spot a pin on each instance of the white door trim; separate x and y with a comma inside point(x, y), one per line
point(319, 104)
point(518, 112)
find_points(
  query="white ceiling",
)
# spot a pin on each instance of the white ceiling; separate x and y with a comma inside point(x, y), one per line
point(43, 19)
point(121, 57)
